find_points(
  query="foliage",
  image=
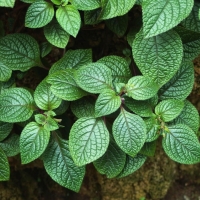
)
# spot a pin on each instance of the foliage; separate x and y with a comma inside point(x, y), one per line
point(117, 115)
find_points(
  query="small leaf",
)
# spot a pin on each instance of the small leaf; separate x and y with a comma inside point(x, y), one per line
point(40, 119)
point(181, 144)
point(158, 57)
point(112, 162)
point(7, 3)
point(91, 17)
point(148, 149)
point(5, 129)
point(39, 14)
point(56, 35)
point(107, 103)
point(4, 166)
point(44, 98)
point(5, 72)
point(69, 19)
point(45, 48)
point(88, 140)
point(33, 141)
point(129, 132)
point(94, 77)
point(51, 124)
point(86, 4)
point(164, 15)
point(169, 109)
point(60, 166)
point(16, 105)
point(141, 88)
point(19, 52)
point(64, 85)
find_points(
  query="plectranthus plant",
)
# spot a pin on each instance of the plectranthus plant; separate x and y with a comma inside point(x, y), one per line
point(118, 117)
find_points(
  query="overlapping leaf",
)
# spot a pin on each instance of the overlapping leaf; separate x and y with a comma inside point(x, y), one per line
point(5, 129)
point(86, 4)
point(4, 166)
point(5, 72)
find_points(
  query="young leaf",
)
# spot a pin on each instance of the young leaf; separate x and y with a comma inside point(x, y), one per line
point(19, 52)
point(112, 162)
point(4, 166)
point(129, 132)
point(119, 68)
point(69, 19)
point(181, 144)
point(64, 85)
point(44, 98)
point(141, 88)
point(107, 103)
point(33, 141)
point(88, 140)
point(40, 118)
point(158, 57)
point(5, 129)
point(16, 105)
point(72, 59)
point(56, 35)
point(51, 124)
point(7, 3)
point(39, 14)
point(60, 166)
point(94, 77)
point(148, 149)
point(132, 164)
point(180, 86)
point(169, 109)
point(5, 72)
point(86, 4)
point(164, 15)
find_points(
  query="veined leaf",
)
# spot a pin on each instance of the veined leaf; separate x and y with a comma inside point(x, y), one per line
point(4, 166)
point(158, 57)
point(5, 72)
point(33, 141)
point(16, 105)
point(5, 129)
point(86, 4)
point(60, 166)
point(45, 48)
point(88, 140)
point(129, 131)
point(148, 149)
point(51, 124)
point(91, 16)
point(7, 3)
point(181, 144)
point(161, 16)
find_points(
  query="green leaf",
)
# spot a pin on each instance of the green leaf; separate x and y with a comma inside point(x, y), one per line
point(45, 49)
point(5, 72)
point(118, 25)
point(44, 98)
point(4, 167)
point(56, 35)
point(86, 4)
point(129, 131)
point(180, 86)
point(39, 14)
point(114, 8)
point(119, 68)
point(28, 1)
point(7, 3)
point(62, 108)
point(84, 107)
point(60, 166)
point(88, 140)
point(64, 85)
point(94, 77)
point(91, 17)
point(141, 88)
point(181, 144)
point(107, 103)
point(5, 129)
point(189, 116)
point(148, 149)
point(6, 85)
point(56, 2)
point(192, 22)
point(161, 16)
point(69, 19)
point(33, 141)
point(72, 59)
point(158, 57)
point(40, 118)
point(51, 124)
point(11, 145)
point(16, 105)
point(19, 52)
point(132, 164)
point(169, 109)
point(112, 162)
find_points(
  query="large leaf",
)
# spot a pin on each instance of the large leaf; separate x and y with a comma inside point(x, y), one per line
point(158, 57)
point(181, 144)
point(44, 98)
point(4, 166)
point(19, 52)
point(161, 16)
point(5, 129)
point(181, 84)
point(16, 105)
point(5, 72)
point(33, 141)
point(129, 131)
point(7, 3)
point(86, 4)
point(60, 166)
point(88, 140)
point(39, 14)
point(69, 19)
point(94, 77)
